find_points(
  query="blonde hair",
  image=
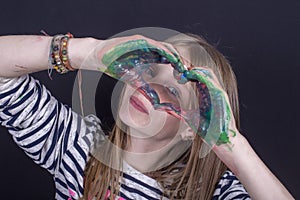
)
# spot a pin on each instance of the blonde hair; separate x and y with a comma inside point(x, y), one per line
point(189, 177)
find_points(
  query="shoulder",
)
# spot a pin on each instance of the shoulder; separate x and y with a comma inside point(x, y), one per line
point(229, 187)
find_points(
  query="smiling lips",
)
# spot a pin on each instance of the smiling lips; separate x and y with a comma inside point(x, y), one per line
point(136, 103)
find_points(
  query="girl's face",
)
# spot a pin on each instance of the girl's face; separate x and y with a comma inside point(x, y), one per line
point(138, 113)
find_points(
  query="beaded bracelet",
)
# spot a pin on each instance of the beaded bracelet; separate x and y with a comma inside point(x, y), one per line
point(64, 51)
point(58, 56)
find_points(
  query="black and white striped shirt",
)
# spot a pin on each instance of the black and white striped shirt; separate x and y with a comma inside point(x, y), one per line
point(59, 140)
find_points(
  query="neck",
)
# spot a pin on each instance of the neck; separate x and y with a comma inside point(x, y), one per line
point(146, 145)
point(153, 153)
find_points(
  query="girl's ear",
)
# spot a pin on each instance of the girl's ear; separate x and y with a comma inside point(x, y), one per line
point(187, 134)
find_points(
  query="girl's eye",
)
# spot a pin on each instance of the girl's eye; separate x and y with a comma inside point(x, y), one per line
point(150, 72)
point(173, 91)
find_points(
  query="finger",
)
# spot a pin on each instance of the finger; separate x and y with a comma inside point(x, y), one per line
point(216, 123)
point(167, 52)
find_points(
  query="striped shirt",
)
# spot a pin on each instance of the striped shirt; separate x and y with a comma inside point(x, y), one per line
point(59, 140)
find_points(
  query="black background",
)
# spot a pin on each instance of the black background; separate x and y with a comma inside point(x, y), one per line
point(260, 38)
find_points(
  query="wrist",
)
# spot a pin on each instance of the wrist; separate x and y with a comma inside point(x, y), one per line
point(79, 49)
point(238, 155)
point(255, 176)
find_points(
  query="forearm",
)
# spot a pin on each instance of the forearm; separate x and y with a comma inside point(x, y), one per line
point(258, 180)
point(21, 55)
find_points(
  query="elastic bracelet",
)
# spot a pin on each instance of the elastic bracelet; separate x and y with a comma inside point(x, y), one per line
point(64, 51)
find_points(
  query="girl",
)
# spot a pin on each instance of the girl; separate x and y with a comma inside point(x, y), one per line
point(150, 154)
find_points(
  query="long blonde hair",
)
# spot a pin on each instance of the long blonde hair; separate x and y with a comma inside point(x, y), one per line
point(191, 177)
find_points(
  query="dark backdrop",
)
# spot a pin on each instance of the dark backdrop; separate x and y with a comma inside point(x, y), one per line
point(260, 38)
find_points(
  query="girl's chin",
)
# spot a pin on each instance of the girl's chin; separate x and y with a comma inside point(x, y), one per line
point(138, 122)
point(138, 118)
point(135, 121)
point(143, 128)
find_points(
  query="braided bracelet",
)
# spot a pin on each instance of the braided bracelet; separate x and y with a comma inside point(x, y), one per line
point(58, 56)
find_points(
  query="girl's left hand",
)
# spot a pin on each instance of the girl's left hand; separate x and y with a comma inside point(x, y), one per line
point(216, 121)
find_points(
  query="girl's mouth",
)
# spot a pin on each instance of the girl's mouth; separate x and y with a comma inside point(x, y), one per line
point(136, 103)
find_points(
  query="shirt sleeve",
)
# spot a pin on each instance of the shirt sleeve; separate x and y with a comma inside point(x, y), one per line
point(49, 132)
point(230, 188)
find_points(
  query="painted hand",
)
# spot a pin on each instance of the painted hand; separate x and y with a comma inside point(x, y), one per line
point(135, 53)
point(214, 120)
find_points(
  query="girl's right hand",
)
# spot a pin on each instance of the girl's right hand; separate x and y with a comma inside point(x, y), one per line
point(117, 55)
